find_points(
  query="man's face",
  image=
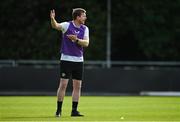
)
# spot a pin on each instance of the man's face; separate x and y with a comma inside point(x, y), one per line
point(82, 18)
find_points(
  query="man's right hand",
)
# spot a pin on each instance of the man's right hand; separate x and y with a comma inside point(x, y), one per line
point(54, 24)
point(52, 14)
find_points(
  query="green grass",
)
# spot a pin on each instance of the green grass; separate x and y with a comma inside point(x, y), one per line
point(95, 108)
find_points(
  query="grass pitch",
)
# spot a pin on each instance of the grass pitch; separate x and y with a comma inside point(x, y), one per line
point(95, 108)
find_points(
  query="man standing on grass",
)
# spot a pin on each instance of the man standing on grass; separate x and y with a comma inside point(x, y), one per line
point(75, 37)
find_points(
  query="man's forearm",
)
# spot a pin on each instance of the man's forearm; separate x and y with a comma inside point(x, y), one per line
point(83, 43)
point(54, 23)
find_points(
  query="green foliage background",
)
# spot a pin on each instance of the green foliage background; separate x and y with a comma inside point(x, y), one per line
point(146, 29)
point(141, 29)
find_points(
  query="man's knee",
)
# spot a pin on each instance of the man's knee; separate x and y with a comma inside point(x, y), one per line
point(63, 84)
point(77, 85)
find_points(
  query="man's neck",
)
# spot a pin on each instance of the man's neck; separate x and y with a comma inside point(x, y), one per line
point(77, 24)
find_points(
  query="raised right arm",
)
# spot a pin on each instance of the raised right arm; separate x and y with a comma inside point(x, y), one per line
point(54, 23)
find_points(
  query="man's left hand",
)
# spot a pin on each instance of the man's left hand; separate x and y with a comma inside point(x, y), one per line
point(73, 38)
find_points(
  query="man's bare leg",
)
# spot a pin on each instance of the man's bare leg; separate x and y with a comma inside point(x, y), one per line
point(75, 97)
point(60, 95)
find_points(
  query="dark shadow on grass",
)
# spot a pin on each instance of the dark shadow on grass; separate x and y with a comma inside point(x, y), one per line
point(31, 117)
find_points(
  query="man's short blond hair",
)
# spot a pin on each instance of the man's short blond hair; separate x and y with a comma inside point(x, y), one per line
point(77, 12)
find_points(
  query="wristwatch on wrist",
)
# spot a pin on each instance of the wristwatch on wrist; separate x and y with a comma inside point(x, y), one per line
point(77, 40)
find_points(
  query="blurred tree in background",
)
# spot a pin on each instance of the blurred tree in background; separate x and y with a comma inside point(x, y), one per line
point(146, 30)
point(141, 29)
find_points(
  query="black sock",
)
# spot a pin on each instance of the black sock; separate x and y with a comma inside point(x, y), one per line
point(74, 106)
point(59, 105)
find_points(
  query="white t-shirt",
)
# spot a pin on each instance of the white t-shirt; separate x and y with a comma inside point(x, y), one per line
point(64, 57)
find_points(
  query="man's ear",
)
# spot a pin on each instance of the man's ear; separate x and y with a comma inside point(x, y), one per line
point(78, 17)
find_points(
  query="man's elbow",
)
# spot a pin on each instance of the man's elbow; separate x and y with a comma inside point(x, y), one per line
point(54, 26)
point(86, 44)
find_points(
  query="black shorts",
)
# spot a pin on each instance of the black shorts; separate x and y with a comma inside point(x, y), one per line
point(72, 70)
